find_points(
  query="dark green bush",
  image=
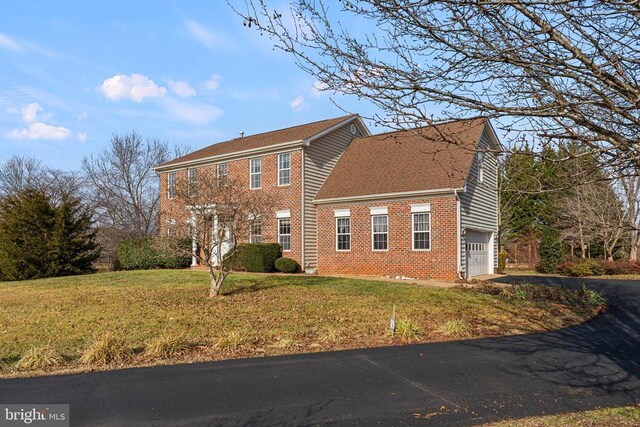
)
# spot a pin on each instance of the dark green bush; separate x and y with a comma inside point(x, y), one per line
point(145, 253)
point(234, 260)
point(260, 257)
point(502, 262)
point(550, 251)
point(287, 265)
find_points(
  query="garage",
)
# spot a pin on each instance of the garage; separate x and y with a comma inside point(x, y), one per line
point(479, 253)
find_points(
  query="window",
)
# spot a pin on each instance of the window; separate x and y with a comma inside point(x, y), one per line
point(421, 231)
point(192, 175)
point(171, 225)
point(256, 231)
point(343, 234)
point(284, 169)
point(380, 232)
point(255, 173)
point(171, 185)
point(480, 166)
point(284, 233)
point(223, 172)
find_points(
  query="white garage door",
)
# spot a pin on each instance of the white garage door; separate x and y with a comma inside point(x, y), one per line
point(477, 253)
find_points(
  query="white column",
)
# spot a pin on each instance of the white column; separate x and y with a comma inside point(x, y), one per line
point(214, 243)
point(194, 243)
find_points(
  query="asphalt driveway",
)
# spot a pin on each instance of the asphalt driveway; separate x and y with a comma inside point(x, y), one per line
point(457, 383)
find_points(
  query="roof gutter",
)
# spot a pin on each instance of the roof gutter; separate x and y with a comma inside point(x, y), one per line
point(397, 195)
point(229, 156)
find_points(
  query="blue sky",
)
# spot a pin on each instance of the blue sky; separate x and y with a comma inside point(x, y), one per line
point(76, 72)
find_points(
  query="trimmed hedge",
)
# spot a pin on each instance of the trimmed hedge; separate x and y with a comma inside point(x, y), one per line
point(146, 253)
point(287, 265)
point(259, 257)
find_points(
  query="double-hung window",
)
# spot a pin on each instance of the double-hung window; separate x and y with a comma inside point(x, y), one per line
point(192, 176)
point(380, 232)
point(480, 166)
point(223, 172)
point(255, 173)
point(256, 231)
point(284, 169)
point(284, 233)
point(343, 230)
point(171, 185)
point(421, 231)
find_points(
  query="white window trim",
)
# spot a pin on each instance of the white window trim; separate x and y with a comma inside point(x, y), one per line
point(343, 234)
point(169, 175)
point(226, 175)
point(255, 220)
point(192, 179)
point(290, 227)
point(283, 214)
point(341, 212)
point(288, 169)
point(387, 233)
point(481, 159)
point(413, 232)
point(251, 173)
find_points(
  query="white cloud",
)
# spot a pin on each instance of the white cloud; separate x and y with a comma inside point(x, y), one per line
point(207, 37)
point(214, 82)
point(82, 137)
point(7, 42)
point(39, 130)
point(299, 104)
point(30, 112)
point(318, 88)
point(181, 88)
point(135, 87)
point(193, 112)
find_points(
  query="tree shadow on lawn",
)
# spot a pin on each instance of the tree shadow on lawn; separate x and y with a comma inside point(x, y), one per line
point(602, 355)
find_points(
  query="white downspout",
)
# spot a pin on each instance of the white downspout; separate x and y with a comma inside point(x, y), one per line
point(194, 242)
point(458, 237)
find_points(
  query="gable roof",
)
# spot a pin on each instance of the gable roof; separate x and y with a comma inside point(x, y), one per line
point(425, 159)
point(292, 134)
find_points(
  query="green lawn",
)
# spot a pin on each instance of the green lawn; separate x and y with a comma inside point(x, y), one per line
point(626, 416)
point(256, 315)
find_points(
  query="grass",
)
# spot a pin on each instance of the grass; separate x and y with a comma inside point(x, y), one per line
point(456, 328)
point(626, 416)
point(136, 318)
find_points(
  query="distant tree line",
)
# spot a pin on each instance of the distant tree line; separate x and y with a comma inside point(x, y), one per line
point(55, 222)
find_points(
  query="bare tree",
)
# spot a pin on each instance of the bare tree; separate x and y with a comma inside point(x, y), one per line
point(545, 72)
point(123, 188)
point(18, 173)
point(630, 186)
point(220, 215)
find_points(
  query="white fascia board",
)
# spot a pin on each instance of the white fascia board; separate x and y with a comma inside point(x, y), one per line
point(398, 195)
point(230, 156)
point(338, 126)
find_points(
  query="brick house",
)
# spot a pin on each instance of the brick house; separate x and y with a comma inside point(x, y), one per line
point(421, 203)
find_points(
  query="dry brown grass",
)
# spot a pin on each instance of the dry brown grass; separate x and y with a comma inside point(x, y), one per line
point(626, 416)
point(315, 313)
point(37, 358)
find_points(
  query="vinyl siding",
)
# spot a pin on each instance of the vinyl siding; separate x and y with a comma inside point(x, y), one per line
point(320, 157)
point(479, 203)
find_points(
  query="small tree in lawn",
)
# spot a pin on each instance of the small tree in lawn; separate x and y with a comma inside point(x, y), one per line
point(220, 213)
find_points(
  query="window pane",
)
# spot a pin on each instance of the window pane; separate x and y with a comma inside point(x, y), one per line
point(284, 169)
point(284, 233)
point(255, 172)
point(343, 236)
point(379, 230)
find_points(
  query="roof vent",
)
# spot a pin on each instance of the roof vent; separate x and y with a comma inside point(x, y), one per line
point(241, 134)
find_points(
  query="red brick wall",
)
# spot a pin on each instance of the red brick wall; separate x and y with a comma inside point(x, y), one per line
point(287, 197)
point(400, 260)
